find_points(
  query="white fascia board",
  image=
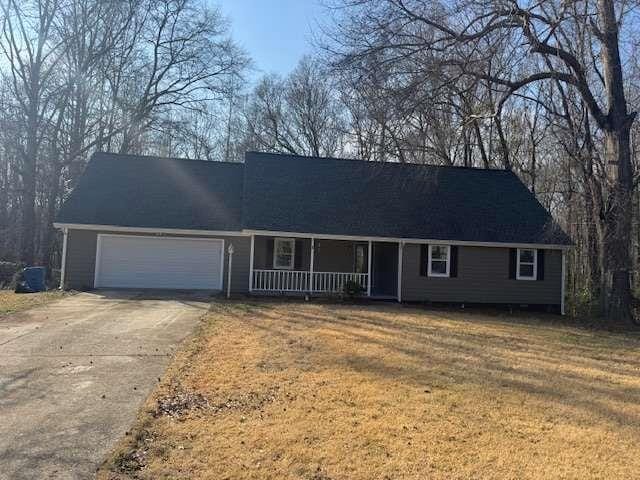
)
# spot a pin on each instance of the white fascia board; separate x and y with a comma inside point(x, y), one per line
point(271, 233)
point(357, 238)
point(167, 231)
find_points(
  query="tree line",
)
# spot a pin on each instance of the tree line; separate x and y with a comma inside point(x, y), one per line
point(548, 90)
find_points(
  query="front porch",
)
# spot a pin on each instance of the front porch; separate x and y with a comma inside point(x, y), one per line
point(321, 266)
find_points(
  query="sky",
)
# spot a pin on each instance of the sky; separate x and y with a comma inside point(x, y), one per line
point(275, 33)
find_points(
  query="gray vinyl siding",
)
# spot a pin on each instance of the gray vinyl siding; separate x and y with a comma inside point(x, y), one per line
point(239, 265)
point(483, 277)
point(483, 272)
point(335, 256)
point(330, 255)
point(81, 259)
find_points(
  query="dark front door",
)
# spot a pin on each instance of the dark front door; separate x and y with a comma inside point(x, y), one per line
point(384, 261)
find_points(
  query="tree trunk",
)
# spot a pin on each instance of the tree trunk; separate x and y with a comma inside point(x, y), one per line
point(504, 147)
point(534, 161)
point(28, 221)
point(483, 153)
point(617, 227)
point(592, 245)
point(4, 194)
point(48, 237)
point(466, 155)
point(594, 210)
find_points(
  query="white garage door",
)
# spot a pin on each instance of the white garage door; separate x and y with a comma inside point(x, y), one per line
point(128, 261)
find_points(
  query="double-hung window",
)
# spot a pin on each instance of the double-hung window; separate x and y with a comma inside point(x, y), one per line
point(360, 258)
point(439, 260)
point(284, 253)
point(527, 264)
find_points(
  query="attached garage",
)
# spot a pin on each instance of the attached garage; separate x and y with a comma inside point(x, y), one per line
point(136, 261)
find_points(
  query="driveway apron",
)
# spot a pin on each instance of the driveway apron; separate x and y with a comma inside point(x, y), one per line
point(74, 373)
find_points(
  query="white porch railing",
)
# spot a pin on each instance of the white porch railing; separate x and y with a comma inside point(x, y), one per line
point(333, 282)
point(298, 281)
point(280, 281)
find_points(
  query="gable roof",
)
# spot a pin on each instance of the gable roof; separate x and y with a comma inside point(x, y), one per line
point(287, 193)
point(152, 192)
point(352, 197)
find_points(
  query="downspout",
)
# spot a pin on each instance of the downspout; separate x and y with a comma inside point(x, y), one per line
point(63, 260)
point(230, 250)
point(253, 238)
point(312, 266)
point(369, 272)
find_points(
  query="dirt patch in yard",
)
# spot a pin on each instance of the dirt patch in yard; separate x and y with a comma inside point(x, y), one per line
point(328, 392)
point(11, 302)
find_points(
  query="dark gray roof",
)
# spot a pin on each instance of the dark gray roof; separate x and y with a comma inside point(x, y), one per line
point(152, 192)
point(352, 197)
point(310, 195)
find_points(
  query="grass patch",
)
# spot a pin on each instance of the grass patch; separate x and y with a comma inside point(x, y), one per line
point(11, 302)
point(320, 392)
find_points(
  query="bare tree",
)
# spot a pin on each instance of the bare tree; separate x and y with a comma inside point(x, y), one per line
point(191, 61)
point(537, 40)
point(298, 115)
point(32, 54)
point(81, 75)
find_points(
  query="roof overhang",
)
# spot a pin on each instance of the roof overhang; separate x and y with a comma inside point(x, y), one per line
point(157, 231)
point(357, 238)
point(271, 233)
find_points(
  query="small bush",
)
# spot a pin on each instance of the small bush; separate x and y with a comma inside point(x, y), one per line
point(583, 304)
point(8, 271)
point(352, 289)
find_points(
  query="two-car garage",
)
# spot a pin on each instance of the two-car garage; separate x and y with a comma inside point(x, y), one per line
point(162, 262)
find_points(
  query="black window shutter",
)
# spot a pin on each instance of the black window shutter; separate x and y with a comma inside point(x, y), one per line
point(270, 252)
point(453, 268)
point(540, 268)
point(299, 248)
point(424, 258)
point(513, 259)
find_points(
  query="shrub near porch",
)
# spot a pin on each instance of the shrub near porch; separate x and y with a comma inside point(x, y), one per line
point(295, 390)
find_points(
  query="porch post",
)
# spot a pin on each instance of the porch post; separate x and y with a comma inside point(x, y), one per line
point(400, 250)
point(251, 264)
point(311, 261)
point(369, 272)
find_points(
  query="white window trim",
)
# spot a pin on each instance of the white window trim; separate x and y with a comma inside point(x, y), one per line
point(436, 274)
point(535, 265)
point(356, 246)
point(275, 253)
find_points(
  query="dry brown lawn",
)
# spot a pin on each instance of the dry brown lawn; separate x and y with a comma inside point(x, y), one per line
point(11, 302)
point(310, 391)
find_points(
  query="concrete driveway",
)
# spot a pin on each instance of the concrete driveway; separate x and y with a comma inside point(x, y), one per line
point(73, 374)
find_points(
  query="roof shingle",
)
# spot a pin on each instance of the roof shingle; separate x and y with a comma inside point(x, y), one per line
point(353, 197)
point(152, 192)
point(289, 193)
